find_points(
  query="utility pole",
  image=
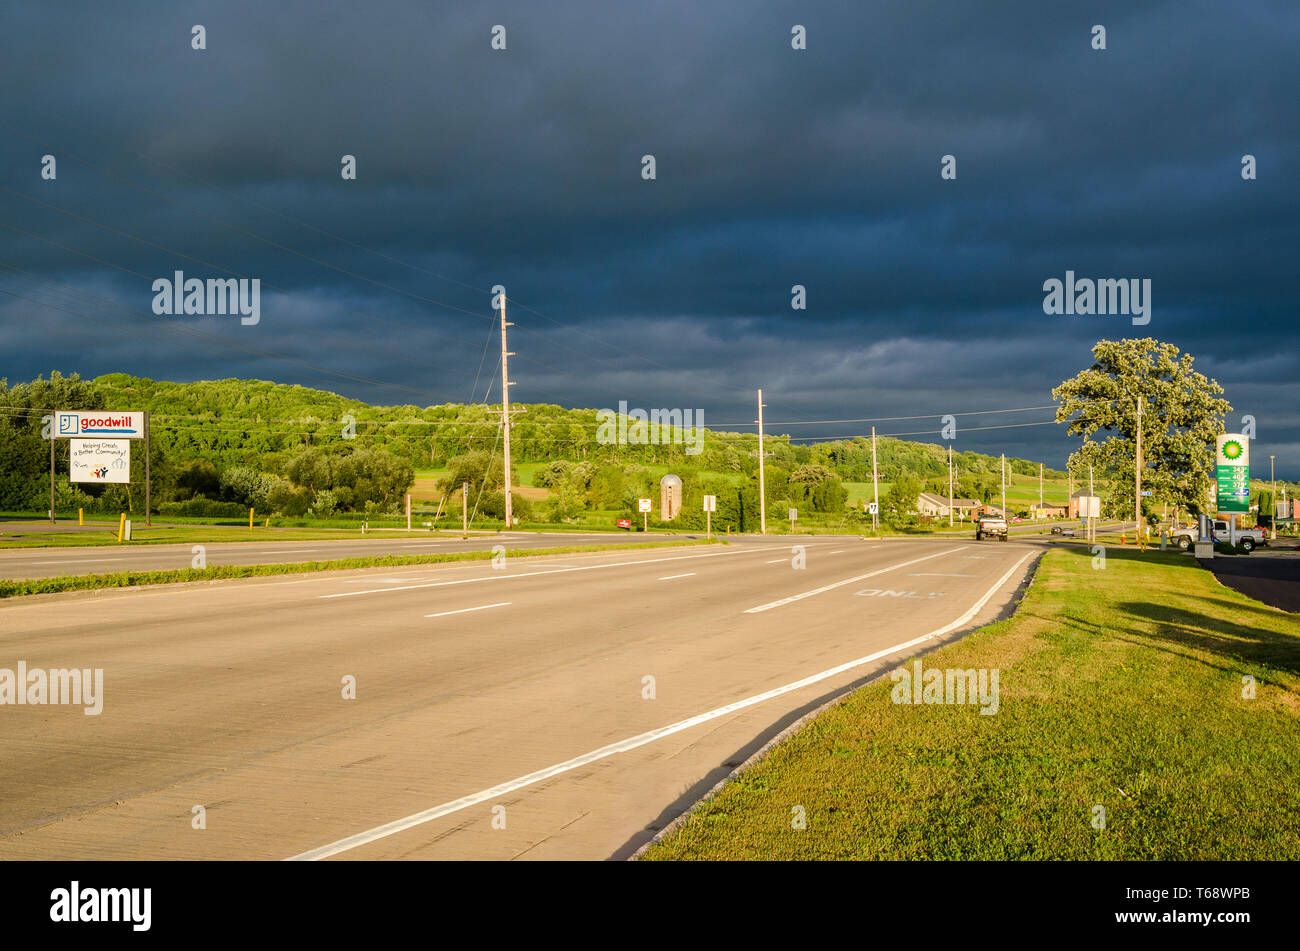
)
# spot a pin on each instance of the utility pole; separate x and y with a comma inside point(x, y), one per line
point(464, 509)
point(875, 485)
point(1137, 475)
point(505, 409)
point(1040, 491)
point(1004, 485)
point(762, 493)
point(950, 485)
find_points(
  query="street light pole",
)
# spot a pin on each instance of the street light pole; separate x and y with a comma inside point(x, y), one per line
point(1137, 475)
point(1272, 518)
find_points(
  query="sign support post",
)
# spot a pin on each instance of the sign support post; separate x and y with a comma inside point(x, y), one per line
point(148, 481)
point(51, 474)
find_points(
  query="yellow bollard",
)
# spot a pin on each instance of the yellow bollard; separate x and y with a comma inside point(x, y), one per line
point(250, 518)
point(81, 516)
point(268, 522)
point(121, 526)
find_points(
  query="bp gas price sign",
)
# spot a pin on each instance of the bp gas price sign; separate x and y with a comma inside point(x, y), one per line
point(1232, 473)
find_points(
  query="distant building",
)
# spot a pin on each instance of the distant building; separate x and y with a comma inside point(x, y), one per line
point(1074, 502)
point(928, 503)
point(670, 497)
point(1049, 511)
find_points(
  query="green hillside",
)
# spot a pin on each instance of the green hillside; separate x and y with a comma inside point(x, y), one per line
point(219, 445)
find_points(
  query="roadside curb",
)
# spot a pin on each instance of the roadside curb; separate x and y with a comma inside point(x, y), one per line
point(800, 723)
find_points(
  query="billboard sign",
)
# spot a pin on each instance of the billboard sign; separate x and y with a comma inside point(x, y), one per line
point(100, 460)
point(1232, 473)
point(104, 424)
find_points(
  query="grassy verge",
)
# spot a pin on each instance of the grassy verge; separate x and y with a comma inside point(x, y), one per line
point(192, 534)
point(124, 579)
point(1120, 688)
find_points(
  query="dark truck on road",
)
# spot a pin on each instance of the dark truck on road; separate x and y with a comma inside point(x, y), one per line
point(992, 525)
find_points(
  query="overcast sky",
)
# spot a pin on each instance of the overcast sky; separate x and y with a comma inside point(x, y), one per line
point(774, 167)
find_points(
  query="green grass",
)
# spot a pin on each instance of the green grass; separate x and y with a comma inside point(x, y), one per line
point(1119, 688)
point(124, 579)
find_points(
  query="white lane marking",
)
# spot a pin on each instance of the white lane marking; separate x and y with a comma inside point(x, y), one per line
point(72, 561)
point(276, 551)
point(840, 584)
point(689, 574)
point(481, 607)
point(935, 574)
point(838, 551)
point(533, 574)
point(777, 561)
point(623, 746)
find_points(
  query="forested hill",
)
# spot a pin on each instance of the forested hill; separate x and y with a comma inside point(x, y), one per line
point(257, 422)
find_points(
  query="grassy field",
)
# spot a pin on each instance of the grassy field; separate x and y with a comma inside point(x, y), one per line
point(1120, 688)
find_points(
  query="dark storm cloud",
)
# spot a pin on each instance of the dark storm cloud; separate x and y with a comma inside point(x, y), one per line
point(775, 168)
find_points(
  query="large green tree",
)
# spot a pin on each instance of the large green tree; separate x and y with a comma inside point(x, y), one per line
point(1182, 412)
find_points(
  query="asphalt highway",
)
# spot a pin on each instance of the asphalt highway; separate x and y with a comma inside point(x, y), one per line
point(560, 707)
point(20, 563)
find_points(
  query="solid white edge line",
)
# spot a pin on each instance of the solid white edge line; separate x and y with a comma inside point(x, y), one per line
point(839, 584)
point(623, 746)
point(689, 574)
point(481, 607)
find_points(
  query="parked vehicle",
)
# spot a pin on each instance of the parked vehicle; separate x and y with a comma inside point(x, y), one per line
point(994, 525)
point(1248, 539)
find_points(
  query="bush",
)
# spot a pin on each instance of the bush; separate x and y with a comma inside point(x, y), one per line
point(493, 505)
point(199, 507)
point(553, 474)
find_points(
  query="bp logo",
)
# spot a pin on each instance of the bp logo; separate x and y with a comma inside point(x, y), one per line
point(1232, 449)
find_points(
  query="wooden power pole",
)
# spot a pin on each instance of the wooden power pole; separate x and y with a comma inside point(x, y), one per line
point(875, 484)
point(505, 410)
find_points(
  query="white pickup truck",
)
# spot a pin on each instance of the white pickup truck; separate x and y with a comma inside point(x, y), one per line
point(1248, 538)
point(994, 525)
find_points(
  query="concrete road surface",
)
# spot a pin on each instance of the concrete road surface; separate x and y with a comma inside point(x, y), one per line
point(20, 563)
point(564, 707)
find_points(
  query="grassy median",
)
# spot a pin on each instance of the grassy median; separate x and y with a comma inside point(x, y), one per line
point(1120, 687)
point(126, 579)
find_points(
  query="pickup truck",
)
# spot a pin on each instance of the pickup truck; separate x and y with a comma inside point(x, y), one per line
point(994, 525)
point(1248, 538)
